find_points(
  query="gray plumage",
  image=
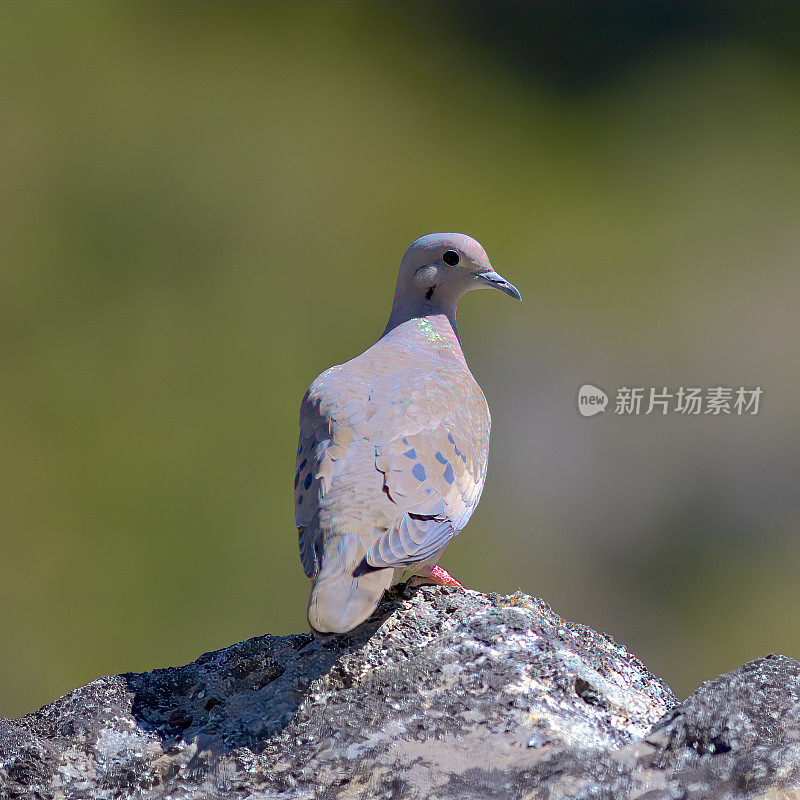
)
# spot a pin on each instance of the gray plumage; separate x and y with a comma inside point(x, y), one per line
point(394, 444)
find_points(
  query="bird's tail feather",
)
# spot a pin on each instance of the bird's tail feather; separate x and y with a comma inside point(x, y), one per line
point(339, 603)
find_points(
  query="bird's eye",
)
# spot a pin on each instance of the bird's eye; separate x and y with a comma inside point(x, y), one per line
point(450, 257)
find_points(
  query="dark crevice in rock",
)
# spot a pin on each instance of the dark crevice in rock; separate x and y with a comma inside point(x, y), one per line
point(587, 692)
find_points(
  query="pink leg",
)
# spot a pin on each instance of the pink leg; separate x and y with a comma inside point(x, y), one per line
point(436, 576)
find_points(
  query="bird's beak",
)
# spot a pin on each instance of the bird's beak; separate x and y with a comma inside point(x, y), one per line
point(497, 281)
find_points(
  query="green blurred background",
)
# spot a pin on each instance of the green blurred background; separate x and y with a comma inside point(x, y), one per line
point(202, 206)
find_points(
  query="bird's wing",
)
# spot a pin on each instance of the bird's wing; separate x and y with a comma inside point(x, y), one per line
point(435, 476)
point(333, 446)
point(323, 445)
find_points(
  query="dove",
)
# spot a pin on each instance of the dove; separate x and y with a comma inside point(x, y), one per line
point(394, 444)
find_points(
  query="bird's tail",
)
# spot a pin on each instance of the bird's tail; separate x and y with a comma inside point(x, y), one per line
point(339, 603)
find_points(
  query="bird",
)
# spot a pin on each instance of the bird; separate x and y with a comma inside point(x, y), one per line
point(394, 444)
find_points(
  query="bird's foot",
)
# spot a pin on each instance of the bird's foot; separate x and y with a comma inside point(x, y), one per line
point(436, 576)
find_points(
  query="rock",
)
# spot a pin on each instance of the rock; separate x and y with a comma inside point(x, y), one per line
point(442, 694)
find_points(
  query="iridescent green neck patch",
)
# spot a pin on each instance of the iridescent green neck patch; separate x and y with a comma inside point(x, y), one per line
point(430, 332)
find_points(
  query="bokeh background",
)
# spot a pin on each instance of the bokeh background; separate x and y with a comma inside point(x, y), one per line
point(202, 206)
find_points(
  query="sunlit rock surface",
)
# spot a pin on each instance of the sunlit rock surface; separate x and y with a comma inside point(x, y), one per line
point(443, 694)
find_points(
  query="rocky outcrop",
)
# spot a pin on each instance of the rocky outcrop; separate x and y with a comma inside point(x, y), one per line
point(442, 694)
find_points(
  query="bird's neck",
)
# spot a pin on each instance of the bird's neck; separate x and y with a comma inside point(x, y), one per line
point(440, 316)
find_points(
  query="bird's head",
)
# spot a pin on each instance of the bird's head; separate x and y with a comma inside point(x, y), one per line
point(439, 268)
